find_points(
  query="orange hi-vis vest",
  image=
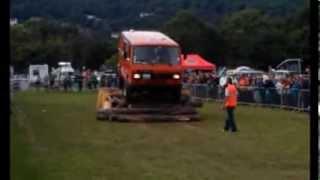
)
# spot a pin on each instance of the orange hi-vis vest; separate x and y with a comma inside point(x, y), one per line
point(231, 98)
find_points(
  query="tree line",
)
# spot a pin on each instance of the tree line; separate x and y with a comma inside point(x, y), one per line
point(246, 37)
point(116, 15)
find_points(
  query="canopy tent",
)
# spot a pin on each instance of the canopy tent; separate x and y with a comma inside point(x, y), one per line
point(196, 62)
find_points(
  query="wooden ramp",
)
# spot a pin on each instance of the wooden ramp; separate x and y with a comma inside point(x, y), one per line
point(112, 106)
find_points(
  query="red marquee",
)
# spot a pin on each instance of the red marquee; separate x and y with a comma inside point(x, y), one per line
point(196, 62)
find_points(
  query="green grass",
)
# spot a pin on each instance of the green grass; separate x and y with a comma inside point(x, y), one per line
point(55, 136)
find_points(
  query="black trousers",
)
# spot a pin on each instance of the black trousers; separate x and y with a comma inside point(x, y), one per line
point(80, 85)
point(230, 121)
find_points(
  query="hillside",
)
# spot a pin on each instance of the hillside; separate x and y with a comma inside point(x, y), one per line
point(112, 15)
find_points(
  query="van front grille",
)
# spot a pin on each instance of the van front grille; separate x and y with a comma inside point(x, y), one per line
point(161, 76)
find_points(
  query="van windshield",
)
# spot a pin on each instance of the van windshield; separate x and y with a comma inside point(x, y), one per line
point(156, 55)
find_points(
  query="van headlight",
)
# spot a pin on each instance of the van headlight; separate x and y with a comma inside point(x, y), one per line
point(136, 76)
point(176, 76)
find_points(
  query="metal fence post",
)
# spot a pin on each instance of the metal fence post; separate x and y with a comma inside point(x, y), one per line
point(299, 99)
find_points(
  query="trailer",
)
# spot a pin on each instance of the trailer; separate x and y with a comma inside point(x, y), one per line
point(38, 71)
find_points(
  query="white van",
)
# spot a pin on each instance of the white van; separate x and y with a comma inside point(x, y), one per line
point(38, 70)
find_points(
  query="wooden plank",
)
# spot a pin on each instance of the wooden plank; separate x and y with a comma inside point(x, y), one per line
point(155, 118)
point(168, 111)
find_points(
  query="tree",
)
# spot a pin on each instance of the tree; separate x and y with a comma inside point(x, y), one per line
point(194, 36)
point(256, 39)
point(42, 41)
point(112, 61)
point(119, 13)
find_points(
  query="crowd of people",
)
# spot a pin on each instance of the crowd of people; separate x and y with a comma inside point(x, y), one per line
point(86, 79)
point(93, 79)
point(266, 80)
point(266, 88)
point(263, 88)
point(199, 77)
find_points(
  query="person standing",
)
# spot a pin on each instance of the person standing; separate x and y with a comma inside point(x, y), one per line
point(230, 103)
point(38, 82)
point(52, 80)
point(84, 76)
point(46, 82)
point(94, 81)
point(79, 81)
point(65, 83)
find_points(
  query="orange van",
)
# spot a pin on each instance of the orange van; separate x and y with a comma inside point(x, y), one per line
point(149, 61)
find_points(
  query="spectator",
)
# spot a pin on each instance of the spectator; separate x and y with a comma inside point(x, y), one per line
point(103, 81)
point(270, 91)
point(294, 91)
point(221, 87)
point(38, 81)
point(52, 78)
point(307, 70)
point(94, 81)
point(305, 92)
point(46, 82)
point(87, 78)
point(65, 83)
point(79, 81)
point(243, 80)
point(259, 91)
point(280, 86)
point(84, 77)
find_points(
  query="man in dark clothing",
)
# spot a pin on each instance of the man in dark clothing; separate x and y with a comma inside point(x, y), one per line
point(52, 78)
point(79, 81)
point(94, 81)
point(67, 82)
point(294, 92)
point(269, 91)
point(260, 92)
point(38, 81)
point(103, 81)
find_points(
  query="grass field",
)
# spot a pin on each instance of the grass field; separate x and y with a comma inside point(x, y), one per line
point(55, 136)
